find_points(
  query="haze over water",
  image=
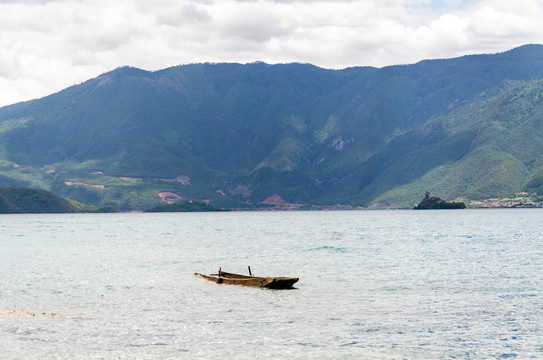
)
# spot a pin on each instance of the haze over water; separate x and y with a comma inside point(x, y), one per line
point(373, 284)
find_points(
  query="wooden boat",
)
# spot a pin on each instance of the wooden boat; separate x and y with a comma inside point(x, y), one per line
point(223, 277)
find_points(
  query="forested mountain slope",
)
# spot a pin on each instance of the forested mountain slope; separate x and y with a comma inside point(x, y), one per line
point(244, 135)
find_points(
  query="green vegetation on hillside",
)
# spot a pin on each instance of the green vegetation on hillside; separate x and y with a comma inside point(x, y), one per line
point(233, 135)
point(25, 201)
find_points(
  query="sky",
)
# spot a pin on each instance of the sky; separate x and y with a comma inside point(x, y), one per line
point(48, 45)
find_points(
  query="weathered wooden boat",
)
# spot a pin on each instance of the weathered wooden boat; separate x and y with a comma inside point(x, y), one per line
point(227, 278)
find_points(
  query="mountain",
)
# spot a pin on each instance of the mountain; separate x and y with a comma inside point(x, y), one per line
point(257, 134)
point(28, 201)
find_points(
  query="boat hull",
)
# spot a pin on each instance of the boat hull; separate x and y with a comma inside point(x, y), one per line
point(226, 278)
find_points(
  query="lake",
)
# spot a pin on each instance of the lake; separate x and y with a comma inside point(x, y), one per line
point(453, 284)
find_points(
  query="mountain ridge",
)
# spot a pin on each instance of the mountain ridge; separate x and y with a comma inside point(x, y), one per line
point(241, 133)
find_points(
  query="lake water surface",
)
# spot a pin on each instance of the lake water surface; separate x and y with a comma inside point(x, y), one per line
point(456, 284)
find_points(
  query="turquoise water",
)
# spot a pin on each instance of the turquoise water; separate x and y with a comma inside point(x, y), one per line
point(464, 284)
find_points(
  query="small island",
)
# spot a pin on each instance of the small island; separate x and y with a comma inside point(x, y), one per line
point(433, 202)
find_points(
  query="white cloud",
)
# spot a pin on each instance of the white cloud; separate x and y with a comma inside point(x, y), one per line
point(46, 46)
point(488, 22)
point(183, 15)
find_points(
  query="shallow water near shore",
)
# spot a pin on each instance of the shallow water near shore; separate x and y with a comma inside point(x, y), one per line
point(373, 284)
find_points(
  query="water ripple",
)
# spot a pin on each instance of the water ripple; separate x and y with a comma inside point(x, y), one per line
point(373, 284)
